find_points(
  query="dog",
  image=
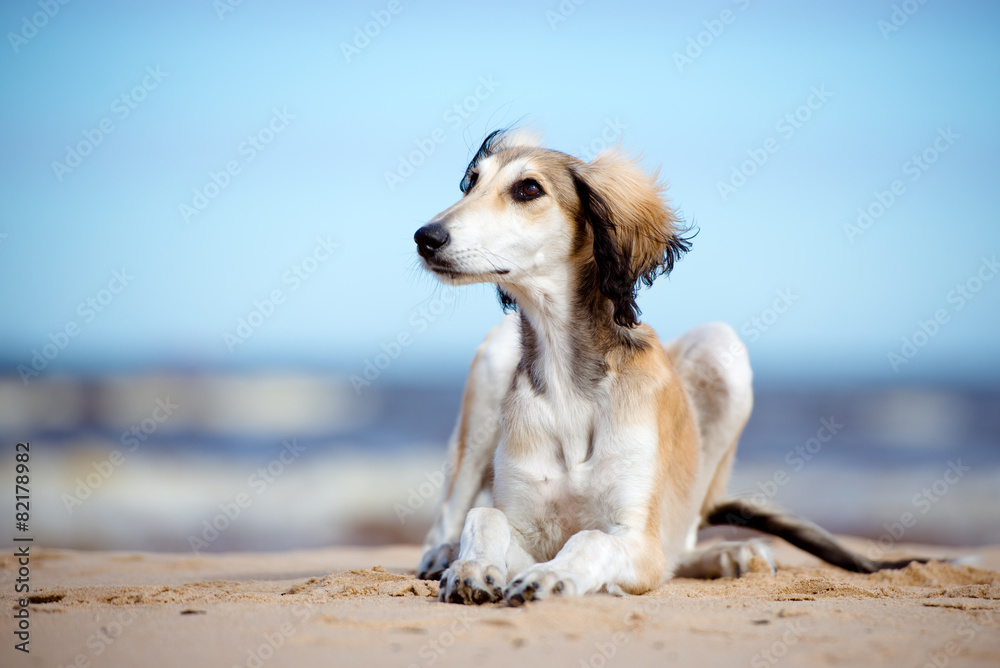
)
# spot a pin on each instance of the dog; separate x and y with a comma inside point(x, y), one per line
point(604, 449)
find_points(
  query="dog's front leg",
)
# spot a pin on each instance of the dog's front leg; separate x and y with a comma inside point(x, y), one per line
point(473, 443)
point(592, 561)
point(486, 556)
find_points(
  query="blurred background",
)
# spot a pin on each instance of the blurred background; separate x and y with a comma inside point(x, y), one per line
point(215, 334)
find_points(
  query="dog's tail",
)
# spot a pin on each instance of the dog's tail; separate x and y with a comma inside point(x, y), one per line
point(799, 532)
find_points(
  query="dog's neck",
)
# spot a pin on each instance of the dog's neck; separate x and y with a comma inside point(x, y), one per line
point(568, 332)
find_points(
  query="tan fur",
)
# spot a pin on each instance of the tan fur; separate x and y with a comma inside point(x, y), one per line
point(461, 442)
point(676, 458)
point(719, 487)
point(643, 215)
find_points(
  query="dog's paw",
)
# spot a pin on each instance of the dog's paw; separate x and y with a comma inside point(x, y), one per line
point(539, 582)
point(436, 560)
point(472, 582)
point(730, 559)
point(739, 558)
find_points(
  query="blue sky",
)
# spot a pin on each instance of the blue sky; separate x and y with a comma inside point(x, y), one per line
point(312, 152)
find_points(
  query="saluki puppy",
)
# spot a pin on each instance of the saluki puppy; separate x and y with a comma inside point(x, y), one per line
point(606, 450)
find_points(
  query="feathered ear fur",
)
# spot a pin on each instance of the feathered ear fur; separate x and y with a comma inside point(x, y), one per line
point(636, 235)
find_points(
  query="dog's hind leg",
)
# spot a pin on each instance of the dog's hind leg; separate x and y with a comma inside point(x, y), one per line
point(713, 365)
point(728, 559)
point(470, 454)
point(801, 533)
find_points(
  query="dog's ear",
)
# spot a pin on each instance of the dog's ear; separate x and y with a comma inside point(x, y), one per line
point(636, 235)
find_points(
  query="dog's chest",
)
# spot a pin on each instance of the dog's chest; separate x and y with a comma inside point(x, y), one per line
point(553, 431)
point(549, 471)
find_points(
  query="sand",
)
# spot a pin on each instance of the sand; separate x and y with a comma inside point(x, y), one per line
point(363, 607)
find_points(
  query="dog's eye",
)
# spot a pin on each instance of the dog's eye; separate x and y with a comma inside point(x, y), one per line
point(469, 181)
point(526, 190)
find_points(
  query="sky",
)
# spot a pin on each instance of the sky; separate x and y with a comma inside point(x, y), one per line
point(236, 185)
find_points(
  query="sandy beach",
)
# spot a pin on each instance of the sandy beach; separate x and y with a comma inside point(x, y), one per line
point(363, 607)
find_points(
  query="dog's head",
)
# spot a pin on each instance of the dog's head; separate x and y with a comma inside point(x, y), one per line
point(532, 219)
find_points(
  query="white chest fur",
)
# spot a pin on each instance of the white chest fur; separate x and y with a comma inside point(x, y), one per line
point(563, 467)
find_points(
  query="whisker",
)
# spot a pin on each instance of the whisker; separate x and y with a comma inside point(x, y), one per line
point(503, 260)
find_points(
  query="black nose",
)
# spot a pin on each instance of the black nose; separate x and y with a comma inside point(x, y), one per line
point(430, 237)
